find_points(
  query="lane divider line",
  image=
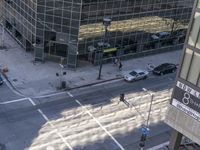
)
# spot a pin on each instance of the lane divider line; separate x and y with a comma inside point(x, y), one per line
point(48, 121)
point(97, 121)
point(159, 146)
point(13, 101)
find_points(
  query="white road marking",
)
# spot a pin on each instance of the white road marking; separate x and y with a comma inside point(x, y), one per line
point(13, 101)
point(48, 121)
point(70, 94)
point(97, 121)
point(159, 146)
point(49, 95)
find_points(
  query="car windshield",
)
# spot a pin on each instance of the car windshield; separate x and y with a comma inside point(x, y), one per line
point(133, 73)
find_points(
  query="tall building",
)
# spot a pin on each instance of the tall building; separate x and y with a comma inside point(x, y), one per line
point(184, 110)
point(73, 29)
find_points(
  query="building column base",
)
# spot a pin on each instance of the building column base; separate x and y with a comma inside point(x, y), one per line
point(38, 54)
point(175, 140)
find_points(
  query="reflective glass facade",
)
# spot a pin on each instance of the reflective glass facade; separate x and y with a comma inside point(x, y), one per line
point(71, 28)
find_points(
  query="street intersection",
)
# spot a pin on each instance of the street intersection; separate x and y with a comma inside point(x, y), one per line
point(89, 118)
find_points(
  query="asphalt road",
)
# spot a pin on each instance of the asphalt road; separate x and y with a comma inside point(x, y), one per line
point(87, 119)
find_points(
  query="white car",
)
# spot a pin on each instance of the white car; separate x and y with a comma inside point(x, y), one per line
point(136, 74)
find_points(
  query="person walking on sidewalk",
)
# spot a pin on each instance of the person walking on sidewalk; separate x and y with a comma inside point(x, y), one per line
point(120, 66)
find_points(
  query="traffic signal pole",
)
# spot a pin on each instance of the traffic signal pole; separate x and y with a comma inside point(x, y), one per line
point(145, 128)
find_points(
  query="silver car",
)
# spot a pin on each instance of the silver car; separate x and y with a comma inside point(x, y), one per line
point(136, 74)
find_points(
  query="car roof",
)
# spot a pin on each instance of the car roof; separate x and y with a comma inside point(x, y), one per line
point(139, 70)
point(163, 65)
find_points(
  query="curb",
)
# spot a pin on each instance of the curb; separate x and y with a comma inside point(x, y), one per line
point(5, 76)
point(66, 89)
point(90, 84)
point(78, 87)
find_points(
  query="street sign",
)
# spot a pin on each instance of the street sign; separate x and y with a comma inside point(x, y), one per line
point(145, 130)
point(187, 99)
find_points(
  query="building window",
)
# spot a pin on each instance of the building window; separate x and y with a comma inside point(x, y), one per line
point(195, 30)
point(186, 63)
point(193, 74)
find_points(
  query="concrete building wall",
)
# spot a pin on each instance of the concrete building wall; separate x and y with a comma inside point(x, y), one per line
point(184, 110)
point(183, 123)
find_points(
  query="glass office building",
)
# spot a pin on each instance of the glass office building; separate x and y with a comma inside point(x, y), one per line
point(73, 29)
point(184, 109)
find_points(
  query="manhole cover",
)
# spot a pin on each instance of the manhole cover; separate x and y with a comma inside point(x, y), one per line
point(2, 147)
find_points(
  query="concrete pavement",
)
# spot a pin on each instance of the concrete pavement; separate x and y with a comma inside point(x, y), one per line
point(34, 79)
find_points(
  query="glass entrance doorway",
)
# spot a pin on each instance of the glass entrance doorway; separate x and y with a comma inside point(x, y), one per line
point(57, 49)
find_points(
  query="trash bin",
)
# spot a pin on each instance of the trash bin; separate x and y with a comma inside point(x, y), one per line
point(63, 86)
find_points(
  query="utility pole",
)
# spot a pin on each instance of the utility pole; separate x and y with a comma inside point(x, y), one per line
point(145, 128)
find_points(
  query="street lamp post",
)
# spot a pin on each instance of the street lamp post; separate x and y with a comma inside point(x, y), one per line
point(145, 128)
point(106, 23)
point(149, 110)
point(149, 106)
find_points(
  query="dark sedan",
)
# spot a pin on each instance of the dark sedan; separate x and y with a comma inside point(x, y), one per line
point(164, 69)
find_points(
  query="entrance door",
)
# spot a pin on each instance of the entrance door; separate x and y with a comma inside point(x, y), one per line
point(57, 49)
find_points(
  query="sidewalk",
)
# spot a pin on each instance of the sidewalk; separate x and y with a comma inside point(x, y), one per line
point(34, 79)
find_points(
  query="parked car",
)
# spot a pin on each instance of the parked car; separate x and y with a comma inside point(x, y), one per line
point(136, 74)
point(160, 35)
point(1, 80)
point(164, 69)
